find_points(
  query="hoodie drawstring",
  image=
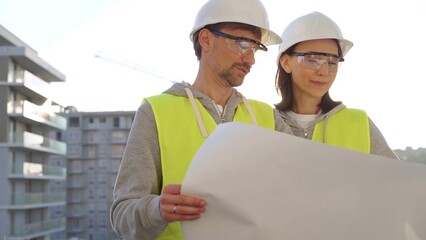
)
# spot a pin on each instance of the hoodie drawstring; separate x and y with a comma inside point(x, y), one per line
point(197, 113)
point(249, 109)
point(325, 129)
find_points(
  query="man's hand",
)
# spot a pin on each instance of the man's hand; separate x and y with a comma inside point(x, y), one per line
point(176, 207)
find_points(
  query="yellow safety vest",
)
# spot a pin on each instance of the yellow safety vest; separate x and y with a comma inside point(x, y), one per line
point(348, 128)
point(180, 137)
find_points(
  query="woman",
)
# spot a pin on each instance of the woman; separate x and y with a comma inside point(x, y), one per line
point(308, 60)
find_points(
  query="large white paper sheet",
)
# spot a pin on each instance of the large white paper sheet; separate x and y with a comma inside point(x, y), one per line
point(262, 184)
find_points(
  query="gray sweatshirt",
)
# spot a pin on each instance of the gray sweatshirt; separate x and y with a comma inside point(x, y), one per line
point(135, 212)
point(378, 143)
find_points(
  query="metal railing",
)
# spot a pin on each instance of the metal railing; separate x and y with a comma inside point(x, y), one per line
point(37, 198)
point(35, 141)
point(28, 169)
point(38, 113)
point(38, 227)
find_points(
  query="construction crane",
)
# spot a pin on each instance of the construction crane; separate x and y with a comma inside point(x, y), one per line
point(135, 66)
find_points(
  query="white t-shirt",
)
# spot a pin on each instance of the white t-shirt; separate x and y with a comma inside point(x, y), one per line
point(302, 119)
point(219, 108)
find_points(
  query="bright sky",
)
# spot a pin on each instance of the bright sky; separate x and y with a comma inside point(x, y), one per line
point(383, 73)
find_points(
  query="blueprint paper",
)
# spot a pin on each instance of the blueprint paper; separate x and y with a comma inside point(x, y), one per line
point(262, 184)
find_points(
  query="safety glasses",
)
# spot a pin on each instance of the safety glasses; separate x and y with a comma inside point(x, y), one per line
point(240, 45)
point(314, 60)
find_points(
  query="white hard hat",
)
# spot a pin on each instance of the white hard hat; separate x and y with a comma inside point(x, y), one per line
point(312, 26)
point(250, 12)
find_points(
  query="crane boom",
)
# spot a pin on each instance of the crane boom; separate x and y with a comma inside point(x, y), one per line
point(135, 66)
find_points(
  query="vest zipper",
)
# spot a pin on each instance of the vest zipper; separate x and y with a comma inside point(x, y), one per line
point(221, 114)
point(305, 132)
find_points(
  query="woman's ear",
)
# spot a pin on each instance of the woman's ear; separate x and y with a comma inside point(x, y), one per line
point(285, 63)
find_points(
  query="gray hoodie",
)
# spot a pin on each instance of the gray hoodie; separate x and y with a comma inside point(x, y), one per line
point(135, 212)
point(378, 143)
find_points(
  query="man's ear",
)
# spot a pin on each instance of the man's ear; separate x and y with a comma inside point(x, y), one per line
point(205, 39)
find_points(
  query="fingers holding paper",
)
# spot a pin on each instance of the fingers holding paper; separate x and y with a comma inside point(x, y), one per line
point(177, 207)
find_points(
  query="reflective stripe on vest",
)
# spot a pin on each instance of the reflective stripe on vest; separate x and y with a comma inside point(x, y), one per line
point(180, 137)
point(348, 128)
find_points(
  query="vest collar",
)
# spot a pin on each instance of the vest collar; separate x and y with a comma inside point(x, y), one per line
point(200, 121)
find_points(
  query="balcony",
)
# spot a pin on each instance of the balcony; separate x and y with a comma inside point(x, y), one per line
point(20, 201)
point(38, 229)
point(34, 141)
point(28, 112)
point(29, 170)
point(31, 86)
point(32, 69)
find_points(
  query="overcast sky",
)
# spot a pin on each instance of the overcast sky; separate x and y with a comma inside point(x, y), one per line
point(383, 73)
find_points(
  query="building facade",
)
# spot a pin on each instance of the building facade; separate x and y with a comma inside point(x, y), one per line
point(33, 169)
point(412, 155)
point(96, 142)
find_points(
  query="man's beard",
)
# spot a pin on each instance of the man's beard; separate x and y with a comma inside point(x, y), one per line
point(231, 78)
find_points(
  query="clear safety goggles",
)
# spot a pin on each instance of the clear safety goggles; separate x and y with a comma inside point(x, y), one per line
point(240, 45)
point(314, 60)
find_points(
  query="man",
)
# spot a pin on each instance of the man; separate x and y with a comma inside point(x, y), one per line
point(169, 128)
